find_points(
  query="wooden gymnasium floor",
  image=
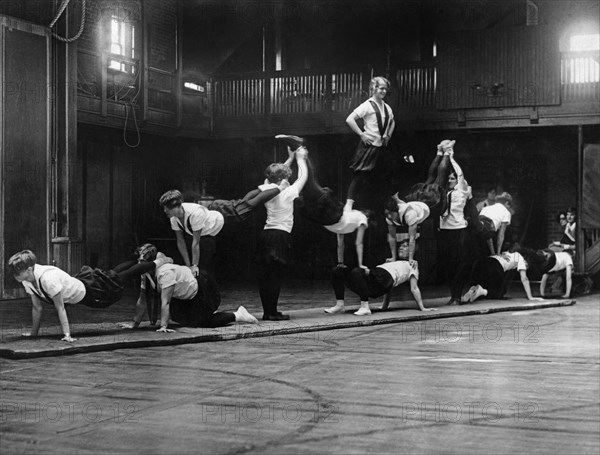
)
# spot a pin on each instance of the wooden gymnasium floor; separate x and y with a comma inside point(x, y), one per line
point(503, 383)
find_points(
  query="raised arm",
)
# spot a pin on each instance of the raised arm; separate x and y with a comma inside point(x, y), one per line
point(460, 177)
point(302, 169)
point(290, 158)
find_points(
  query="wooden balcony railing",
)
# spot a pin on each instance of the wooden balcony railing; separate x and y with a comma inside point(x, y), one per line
point(284, 93)
point(580, 76)
point(416, 85)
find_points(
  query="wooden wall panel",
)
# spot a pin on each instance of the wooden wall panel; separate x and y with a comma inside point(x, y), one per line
point(518, 66)
point(98, 213)
point(24, 145)
point(590, 209)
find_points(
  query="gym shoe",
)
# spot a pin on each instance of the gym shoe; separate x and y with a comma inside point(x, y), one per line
point(363, 312)
point(162, 259)
point(294, 142)
point(335, 309)
point(469, 294)
point(242, 315)
point(479, 292)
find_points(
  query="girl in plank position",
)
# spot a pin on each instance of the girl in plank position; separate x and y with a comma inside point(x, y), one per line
point(91, 287)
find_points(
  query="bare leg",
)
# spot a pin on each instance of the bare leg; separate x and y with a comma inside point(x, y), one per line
point(132, 269)
point(433, 169)
point(255, 200)
point(442, 171)
point(312, 191)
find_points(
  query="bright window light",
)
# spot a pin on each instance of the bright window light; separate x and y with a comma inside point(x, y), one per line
point(122, 44)
point(193, 86)
point(116, 65)
point(585, 43)
point(585, 68)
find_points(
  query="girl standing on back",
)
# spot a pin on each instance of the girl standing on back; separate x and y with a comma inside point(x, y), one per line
point(378, 128)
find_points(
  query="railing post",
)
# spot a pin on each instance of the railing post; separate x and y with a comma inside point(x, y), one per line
point(579, 237)
point(267, 101)
point(211, 105)
point(328, 101)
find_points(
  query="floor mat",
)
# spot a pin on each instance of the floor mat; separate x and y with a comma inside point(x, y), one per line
point(107, 336)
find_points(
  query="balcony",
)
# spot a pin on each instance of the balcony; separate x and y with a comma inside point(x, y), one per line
point(308, 102)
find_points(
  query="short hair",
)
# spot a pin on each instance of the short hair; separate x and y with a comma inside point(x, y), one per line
point(572, 210)
point(146, 252)
point(548, 259)
point(403, 242)
point(377, 82)
point(391, 204)
point(276, 172)
point(504, 197)
point(21, 261)
point(171, 199)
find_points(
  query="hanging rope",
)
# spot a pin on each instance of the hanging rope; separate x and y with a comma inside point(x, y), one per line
point(61, 10)
point(132, 104)
point(139, 139)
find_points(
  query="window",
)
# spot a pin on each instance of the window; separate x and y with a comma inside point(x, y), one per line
point(193, 86)
point(589, 42)
point(582, 65)
point(122, 45)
